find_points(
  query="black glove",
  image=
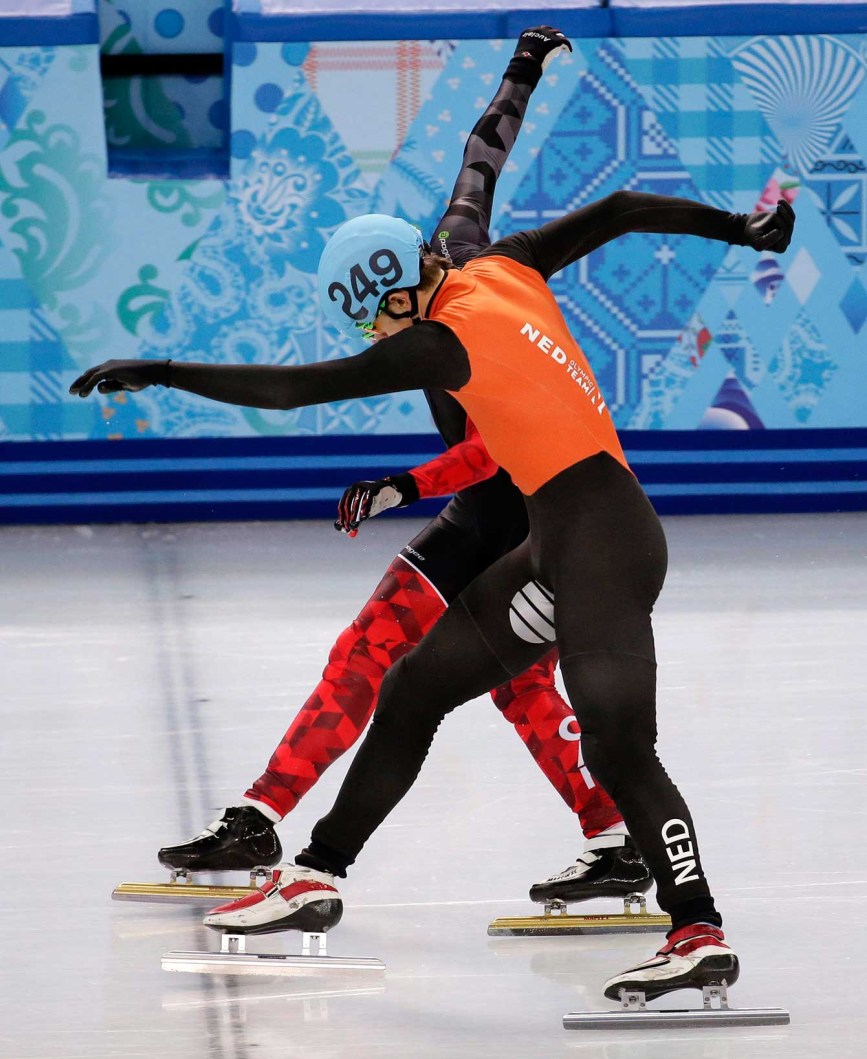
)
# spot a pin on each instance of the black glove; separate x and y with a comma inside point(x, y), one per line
point(540, 45)
point(364, 500)
point(770, 231)
point(115, 375)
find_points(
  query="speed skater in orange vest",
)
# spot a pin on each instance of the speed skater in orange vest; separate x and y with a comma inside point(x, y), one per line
point(492, 334)
point(485, 520)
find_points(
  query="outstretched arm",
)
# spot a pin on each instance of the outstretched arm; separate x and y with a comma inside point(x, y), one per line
point(563, 241)
point(428, 356)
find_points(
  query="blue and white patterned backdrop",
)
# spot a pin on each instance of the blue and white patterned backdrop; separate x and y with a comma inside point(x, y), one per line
point(683, 333)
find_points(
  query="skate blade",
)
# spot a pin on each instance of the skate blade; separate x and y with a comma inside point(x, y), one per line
point(182, 893)
point(643, 1020)
point(560, 925)
point(633, 1013)
point(265, 963)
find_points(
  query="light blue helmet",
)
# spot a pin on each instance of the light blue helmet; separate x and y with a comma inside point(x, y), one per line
point(363, 261)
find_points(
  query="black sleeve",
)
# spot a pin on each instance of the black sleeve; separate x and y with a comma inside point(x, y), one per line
point(428, 355)
point(558, 243)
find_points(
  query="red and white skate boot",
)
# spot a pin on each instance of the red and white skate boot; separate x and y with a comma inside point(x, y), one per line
point(692, 957)
point(296, 898)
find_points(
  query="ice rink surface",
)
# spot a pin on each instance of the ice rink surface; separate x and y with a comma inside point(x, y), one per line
point(148, 672)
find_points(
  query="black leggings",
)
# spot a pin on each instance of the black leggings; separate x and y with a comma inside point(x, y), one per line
point(592, 568)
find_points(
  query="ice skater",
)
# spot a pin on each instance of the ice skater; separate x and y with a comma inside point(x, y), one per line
point(492, 334)
point(485, 520)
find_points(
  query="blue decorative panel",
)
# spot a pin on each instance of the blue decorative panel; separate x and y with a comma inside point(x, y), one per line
point(320, 132)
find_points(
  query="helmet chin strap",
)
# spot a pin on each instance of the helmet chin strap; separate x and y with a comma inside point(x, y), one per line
point(412, 313)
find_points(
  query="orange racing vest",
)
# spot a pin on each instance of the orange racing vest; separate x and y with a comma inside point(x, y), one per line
point(531, 392)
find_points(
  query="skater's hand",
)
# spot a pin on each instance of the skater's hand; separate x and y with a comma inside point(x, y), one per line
point(770, 231)
point(542, 43)
point(115, 375)
point(364, 500)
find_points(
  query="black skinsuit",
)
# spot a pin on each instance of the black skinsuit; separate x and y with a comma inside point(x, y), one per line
point(595, 543)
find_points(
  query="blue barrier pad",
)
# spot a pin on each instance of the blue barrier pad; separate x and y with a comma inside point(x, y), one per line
point(697, 18)
point(45, 8)
point(36, 22)
point(683, 472)
point(304, 20)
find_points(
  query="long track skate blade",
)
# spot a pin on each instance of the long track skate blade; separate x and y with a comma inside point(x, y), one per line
point(685, 1018)
point(180, 893)
point(555, 926)
point(265, 963)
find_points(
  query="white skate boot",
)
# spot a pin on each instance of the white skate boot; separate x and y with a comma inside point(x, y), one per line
point(693, 957)
point(296, 898)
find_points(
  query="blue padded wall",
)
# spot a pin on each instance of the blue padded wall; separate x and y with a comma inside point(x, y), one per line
point(740, 380)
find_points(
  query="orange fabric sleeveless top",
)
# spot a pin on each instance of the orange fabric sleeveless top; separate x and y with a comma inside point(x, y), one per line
point(531, 394)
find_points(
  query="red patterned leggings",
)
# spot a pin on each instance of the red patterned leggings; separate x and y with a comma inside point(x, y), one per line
point(400, 611)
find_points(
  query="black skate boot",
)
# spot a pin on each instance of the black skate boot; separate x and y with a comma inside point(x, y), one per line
point(241, 839)
point(610, 866)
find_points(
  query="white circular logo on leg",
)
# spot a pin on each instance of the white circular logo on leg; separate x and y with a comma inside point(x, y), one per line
point(569, 730)
point(531, 614)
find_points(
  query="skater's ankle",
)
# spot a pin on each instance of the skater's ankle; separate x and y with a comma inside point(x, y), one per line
point(321, 858)
point(268, 811)
point(696, 910)
point(609, 839)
